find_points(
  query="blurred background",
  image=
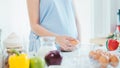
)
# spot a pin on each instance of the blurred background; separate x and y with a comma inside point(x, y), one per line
point(97, 17)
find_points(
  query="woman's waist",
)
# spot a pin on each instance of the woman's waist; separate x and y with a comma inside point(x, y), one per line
point(71, 33)
point(59, 28)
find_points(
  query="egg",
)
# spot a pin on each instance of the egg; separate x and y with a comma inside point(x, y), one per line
point(104, 61)
point(114, 61)
point(108, 54)
point(74, 42)
point(99, 51)
point(97, 56)
point(104, 58)
point(91, 54)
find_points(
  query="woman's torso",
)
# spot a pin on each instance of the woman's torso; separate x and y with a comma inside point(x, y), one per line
point(57, 16)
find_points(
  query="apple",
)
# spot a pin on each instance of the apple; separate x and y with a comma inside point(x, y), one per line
point(53, 58)
point(37, 62)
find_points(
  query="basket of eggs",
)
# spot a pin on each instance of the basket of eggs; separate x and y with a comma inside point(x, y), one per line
point(104, 59)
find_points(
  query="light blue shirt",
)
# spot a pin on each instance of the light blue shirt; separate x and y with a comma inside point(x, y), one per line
point(56, 16)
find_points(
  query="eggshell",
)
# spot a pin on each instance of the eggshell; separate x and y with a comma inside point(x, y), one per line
point(114, 61)
point(107, 54)
point(99, 51)
point(104, 61)
point(74, 42)
point(97, 56)
point(91, 54)
point(104, 58)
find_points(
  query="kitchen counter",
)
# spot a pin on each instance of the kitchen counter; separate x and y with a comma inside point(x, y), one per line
point(99, 41)
point(79, 58)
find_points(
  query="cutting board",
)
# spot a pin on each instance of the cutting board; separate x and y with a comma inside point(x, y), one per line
point(99, 41)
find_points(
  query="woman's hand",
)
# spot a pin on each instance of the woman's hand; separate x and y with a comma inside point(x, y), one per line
point(64, 42)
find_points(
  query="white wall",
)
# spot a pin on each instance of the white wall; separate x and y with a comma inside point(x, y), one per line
point(118, 1)
point(113, 19)
point(105, 16)
point(14, 18)
point(84, 9)
point(101, 18)
point(115, 5)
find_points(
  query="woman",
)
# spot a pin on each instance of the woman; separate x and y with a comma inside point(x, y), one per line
point(52, 18)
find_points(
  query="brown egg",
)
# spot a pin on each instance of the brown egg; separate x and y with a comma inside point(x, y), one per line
point(103, 66)
point(114, 61)
point(91, 54)
point(103, 60)
point(97, 56)
point(107, 54)
point(74, 42)
point(99, 51)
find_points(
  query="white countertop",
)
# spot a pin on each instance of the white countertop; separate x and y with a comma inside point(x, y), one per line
point(78, 58)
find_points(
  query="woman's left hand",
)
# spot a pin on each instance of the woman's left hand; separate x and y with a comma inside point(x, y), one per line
point(73, 43)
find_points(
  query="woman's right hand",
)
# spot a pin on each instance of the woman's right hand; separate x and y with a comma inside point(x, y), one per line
point(64, 42)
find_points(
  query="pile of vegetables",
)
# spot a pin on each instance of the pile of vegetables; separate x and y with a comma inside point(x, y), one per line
point(17, 60)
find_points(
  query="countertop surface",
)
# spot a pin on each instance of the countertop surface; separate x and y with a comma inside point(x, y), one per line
point(99, 40)
point(80, 58)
